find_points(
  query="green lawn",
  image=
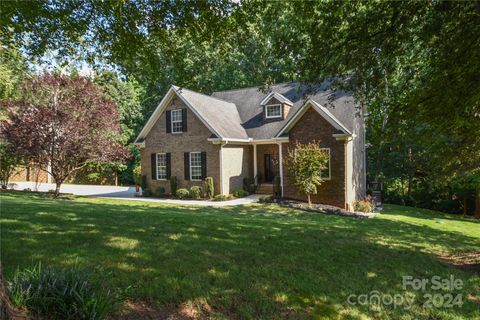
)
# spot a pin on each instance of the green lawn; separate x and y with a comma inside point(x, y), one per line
point(257, 261)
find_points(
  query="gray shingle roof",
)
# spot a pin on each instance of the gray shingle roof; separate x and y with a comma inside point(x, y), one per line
point(221, 115)
point(340, 104)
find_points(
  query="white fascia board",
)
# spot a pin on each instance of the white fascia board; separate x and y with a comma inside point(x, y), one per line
point(277, 96)
point(321, 110)
point(330, 117)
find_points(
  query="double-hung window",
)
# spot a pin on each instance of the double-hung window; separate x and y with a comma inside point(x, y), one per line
point(326, 173)
point(195, 165)
point(161, 166)
point(273, 111)
point(177, 121)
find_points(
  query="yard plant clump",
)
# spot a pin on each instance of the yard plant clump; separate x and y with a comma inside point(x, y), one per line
point(195, 192)
point(183, 193)
point(209, 189)
point(61, 294)
point(240, 193)
point(364, 205)
point(222, 197)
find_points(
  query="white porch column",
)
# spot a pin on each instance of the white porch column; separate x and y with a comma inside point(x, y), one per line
point(280, 164)
point(255, 169)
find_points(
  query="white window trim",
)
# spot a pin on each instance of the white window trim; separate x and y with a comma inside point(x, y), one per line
point(273, 105)
point(190, 165)
point(156, 166)
point(172, 122)
point(329, 165)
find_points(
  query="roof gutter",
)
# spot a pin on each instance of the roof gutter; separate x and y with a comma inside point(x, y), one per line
point(227, 140)
point(248, 141)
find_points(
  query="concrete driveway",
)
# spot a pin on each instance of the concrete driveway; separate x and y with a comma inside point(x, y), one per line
point(81, 189)
point(127, 193)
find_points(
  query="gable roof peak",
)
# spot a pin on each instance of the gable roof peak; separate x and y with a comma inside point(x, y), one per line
point(277, 96)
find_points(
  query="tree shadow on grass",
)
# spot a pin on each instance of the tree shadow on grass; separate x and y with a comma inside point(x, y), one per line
point(256, 261)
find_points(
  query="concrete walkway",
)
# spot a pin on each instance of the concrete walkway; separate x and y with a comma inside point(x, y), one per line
point(127, 193)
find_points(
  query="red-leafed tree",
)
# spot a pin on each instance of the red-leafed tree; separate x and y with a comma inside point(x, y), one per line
point(62, 123)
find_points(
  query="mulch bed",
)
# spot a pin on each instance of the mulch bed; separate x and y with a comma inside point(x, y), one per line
point(466, 261)
point(323, 208)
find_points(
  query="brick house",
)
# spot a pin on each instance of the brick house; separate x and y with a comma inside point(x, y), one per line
point(246, 133)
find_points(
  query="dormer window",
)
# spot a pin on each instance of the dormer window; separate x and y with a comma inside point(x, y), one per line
point(273, 111)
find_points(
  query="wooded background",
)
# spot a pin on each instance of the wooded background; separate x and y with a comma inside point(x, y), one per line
point(414, 64)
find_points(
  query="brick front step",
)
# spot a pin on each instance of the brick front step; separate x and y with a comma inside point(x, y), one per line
point(265, 189)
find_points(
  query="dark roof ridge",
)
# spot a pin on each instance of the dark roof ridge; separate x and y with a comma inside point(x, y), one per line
point(254, 87)
point(206, 95)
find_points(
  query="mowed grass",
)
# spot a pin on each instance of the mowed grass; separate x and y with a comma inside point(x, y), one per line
point(248, 262)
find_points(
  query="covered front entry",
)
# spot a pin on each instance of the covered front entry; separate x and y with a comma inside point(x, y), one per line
point(270, 167)
point(267, 165)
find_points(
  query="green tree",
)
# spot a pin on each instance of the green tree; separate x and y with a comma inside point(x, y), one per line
point(305, 163)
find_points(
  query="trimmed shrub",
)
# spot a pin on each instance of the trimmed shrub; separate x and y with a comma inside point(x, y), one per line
point(61, 294)
point(222, 197)
point(240, 193)
point(209, 188)
point(277, 189)
point(365, 205)
point(265, 199)
point(173, 185)
point(160, 192)
point(146, 192)
point(183, 193)
point(195, 192)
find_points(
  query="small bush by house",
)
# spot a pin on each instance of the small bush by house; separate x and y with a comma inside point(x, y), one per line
point(195, 192)
point(240, 193)
point(265, 199)
point(364, 205)
point(183, 193)
point(222, 197)
point(209, 189)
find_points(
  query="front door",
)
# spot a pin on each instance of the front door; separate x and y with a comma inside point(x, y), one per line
point(271, 167)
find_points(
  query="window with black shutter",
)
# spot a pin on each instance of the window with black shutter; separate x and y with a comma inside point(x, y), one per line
point(204, 165)
point(196, 166)
point(186, 165)
point(153, 163)
point(184, 120)
point(169, 165)
point(169, 121)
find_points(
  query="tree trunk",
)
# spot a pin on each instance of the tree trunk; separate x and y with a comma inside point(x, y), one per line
point(465, 204)
point(57, 188)
point(309, 200)
point(477, 203)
